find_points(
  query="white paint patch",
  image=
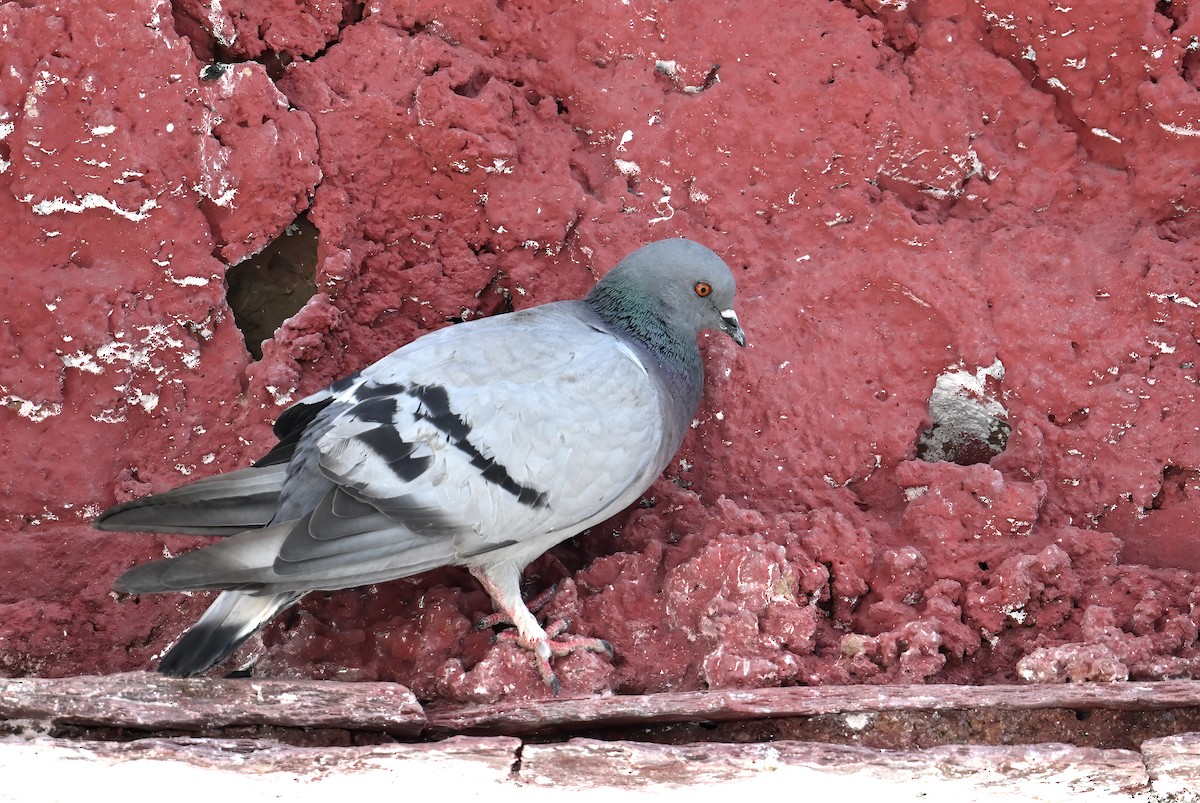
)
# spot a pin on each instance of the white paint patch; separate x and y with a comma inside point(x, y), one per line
point(148, 401)
point(909, 294)
point(858, 721)
point(1180, 130)
point(219, 25)
point(1174, 298)
point(626, 168)
point(34, 411)
point(43, 82)
point(94, 201)
point(663, 206)
point(500, 166)
point(188, 281)
point(155, 337)
point(283, 398)
point(225, 198)
point(82, 361)
point(961, 382)
point(1016, 612)
point(138, 357)
point(1162, 347)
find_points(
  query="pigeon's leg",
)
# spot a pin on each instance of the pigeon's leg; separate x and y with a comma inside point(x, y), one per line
point(503, 585)
point(503, 618)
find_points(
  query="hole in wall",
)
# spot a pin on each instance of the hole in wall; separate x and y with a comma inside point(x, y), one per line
point(273, 285)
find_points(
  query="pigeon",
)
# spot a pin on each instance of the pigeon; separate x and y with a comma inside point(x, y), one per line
point(480, 445)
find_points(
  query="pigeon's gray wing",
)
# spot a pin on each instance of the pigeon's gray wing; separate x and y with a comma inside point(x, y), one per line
point(485, 441)
point(522, 429)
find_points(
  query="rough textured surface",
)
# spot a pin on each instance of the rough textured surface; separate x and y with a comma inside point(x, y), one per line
point(1174, 764)
point(573, 716)
point(1047, 772)
point(39, 768)
point(317, 712)
point(982, 206)
point(149, 702)
point(503, 769)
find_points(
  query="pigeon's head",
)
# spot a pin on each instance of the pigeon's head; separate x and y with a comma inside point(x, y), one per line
point(677, 281)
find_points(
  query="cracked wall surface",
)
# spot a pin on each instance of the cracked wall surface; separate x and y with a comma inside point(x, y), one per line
point(905, 192)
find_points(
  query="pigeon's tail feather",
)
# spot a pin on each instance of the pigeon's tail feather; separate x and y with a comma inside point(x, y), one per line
point(222, 505)
point(241, 562)
point(230, 620)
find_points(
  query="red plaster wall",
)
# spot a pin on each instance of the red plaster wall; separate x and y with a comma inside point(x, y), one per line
point(905, 190)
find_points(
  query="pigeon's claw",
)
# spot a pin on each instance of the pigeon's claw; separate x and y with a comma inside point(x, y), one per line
point(563, 643)
point(551, 641)
point(555, 642)
point(538, 641)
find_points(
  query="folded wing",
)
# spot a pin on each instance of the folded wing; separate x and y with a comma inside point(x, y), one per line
point(489, 440)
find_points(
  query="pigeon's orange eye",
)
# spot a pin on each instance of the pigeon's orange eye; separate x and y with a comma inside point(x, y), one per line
point(703, 289)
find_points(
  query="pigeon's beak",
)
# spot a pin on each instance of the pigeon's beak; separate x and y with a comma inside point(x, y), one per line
point(729, 323)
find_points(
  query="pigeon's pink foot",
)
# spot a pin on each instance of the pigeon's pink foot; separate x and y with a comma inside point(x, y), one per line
point(553, 641)
point(557, 642)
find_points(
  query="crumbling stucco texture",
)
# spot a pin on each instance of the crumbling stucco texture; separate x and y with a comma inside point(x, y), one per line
point(960, 447)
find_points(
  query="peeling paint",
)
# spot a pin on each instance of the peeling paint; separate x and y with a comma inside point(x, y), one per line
point(94, 201)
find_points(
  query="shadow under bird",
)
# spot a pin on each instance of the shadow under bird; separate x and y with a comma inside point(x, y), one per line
point(479, 445)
